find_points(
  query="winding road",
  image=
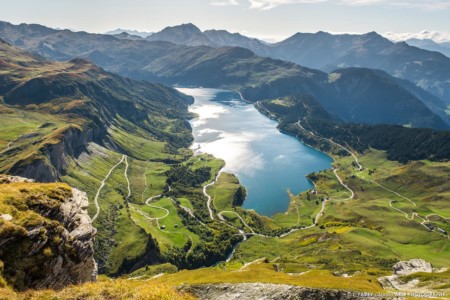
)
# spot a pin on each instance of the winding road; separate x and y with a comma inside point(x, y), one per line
point(126, 178)
point(205, 187)
point(101, 187)
point(352, 194)
point(233, 212)
point(360, 168)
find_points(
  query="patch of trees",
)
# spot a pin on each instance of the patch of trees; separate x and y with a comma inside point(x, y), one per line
point(401, 144)
point(216, 242)
point(184, 176)
point(239, 196)
point(186, 183)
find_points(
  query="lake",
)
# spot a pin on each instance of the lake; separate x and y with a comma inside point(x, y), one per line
point(268, 163)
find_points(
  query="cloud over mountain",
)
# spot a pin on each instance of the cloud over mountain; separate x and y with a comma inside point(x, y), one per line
point(269, 4)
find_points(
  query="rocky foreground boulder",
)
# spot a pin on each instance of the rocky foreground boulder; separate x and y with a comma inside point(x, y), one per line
point(46, 235)
point(412, 266)
point(404, 268)
point(266, 291)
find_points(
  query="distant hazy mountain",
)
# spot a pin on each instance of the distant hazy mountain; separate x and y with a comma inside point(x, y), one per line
point(325, 51)
point(126, 36)
point(185, 34)
point(429, 70)
point(366, 97)
point(351, 95)
point(142, 34)
point(225, 38)
point(431, 45)
point(436, 36)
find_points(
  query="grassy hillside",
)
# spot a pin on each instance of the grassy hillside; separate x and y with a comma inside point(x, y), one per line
point(375, 228)
point(103, 289)
point(119, 140)
point(125, 143)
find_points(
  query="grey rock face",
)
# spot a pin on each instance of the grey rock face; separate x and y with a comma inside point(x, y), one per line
point(405, 268)
point(262, 291)
point(79, 230)
point(50, 254)
point(412, 266)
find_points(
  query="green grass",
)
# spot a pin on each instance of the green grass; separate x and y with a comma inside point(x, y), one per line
point(206, 160)
point(142, 147)
point(149, 271)
point(265, 272)
point(175, 234)
point(156, 178)
point(233, 219)
point(364, 233)
point(26, 133)
point(222, 192)
point(112, 289)
point(118, 236)
point(186, 203)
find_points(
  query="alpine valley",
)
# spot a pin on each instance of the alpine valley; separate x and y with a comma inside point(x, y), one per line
point(126, 160)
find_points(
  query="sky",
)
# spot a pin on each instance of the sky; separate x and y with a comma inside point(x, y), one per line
point(266, 19)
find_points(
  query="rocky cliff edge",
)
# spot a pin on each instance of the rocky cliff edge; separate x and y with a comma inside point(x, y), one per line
point(46, 235)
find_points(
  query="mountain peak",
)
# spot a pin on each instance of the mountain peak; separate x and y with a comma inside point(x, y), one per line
point(184, 34)
point(189, 27)
point(323, 33)
point(374, 34)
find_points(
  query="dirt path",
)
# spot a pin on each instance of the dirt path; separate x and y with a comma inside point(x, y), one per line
point(360, 168)
point(320, 213)
point(394, 192)
point(150, 199)
point(8, 146)
point(271, 116)
point(233, 212)
point(126, 177)
point(208, 203)
point(102, 185)
point(335, 170)
point(250, 263)
point(23, 121)
point(352, 194)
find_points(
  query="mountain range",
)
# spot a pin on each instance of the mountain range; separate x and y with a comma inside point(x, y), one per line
point(87, 100)
point(96, 112)
point(348, 95)
point(430, 45)
point(61, 117)
point(142, 34)
point(326, 52)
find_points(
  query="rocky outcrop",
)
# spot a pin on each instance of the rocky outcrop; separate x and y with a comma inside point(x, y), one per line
point(412, 266)
point(404, 268)
point(250, 291)
point(48, 241)
point(54, 158)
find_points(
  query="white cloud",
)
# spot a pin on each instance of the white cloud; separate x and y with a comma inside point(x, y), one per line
point(437, 36)
point(426, 5)
point(224, 2)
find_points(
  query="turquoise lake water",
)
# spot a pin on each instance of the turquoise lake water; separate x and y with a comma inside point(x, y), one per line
point(267, 162)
